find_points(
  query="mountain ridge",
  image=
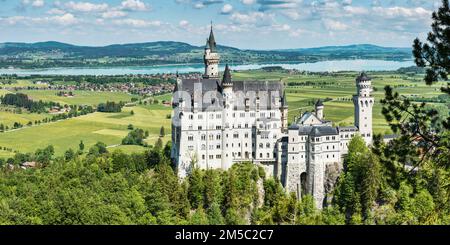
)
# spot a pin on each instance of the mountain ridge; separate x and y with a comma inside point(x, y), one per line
point(53, 54)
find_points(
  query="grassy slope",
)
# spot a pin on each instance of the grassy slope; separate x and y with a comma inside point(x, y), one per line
point(90, 128)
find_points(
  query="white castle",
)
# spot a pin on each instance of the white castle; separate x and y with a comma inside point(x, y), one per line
point(218, 122)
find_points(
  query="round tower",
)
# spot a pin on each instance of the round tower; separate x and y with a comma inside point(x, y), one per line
point(319, 109)
point(227, 118)
point(363, 102)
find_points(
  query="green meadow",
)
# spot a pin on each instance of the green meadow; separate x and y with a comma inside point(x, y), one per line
point(111, 128)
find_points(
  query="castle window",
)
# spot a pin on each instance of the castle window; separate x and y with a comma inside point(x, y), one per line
point(199, 127)
point(218, 137)
point(260, 155)
point(239, 154)
point(190, 138)
point(203, 137)
point(261, 145)
point(211, 137)
point(268, 155)
point(217, 146)
point(246, 125)
point(236, 135)
point(218, 116)
point(268, 145)
point(218, 156)
point(191, 116)
point(203, 147)
point(246, 135)
point(203, 157)
point(211, 157)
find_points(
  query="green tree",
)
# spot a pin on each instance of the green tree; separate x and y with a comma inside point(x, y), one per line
point(69, 155)
point(81, 146)
point(196, 188)
point(162, 132)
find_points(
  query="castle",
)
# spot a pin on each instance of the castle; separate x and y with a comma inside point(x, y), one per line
point(218, 121)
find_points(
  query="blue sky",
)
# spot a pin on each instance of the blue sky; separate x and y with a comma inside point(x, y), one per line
point(250, 24)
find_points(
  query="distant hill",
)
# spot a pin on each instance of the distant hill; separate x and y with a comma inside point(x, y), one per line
point(53, 54)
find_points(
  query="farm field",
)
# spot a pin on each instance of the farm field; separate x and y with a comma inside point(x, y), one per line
point(111, 128)
point(91, 128)
point(339, 89)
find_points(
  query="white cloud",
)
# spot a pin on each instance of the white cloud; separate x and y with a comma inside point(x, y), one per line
point(183, 23)
point(33, 3)
point(138, 23)
point(356, 10)
point(402, 12)
point(334, 25)
point(86, 6)
point(226, 9)
point(259, 18)
point(199, 5)
point(56, 11)
point(110, 14)
point(66, 19)
point(134, 5)
point(38, 3)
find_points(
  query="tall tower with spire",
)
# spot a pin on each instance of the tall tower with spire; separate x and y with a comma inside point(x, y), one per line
point(363, 102)
point(211, 57)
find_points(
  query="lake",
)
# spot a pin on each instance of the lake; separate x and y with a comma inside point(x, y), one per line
point(323, 66)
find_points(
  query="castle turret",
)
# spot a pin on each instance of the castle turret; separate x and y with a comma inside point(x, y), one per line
point(227, 118)
point(319, 109)
point(211, 57)
point(363, 102)
point(284, 112)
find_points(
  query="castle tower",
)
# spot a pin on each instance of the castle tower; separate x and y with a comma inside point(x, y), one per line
point(363, 102)
point(284, 112)
point(319, 109)
point(227, 91)
point(211, 57)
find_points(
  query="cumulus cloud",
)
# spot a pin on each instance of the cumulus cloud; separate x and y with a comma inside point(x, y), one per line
point(183, 23)
point(56, 11)
point(110, 14)
point(34, 3)
point(63, 20)
point(334, 25)
point(86, 6)
point(226, 9)
point(259, 18)
point(134, 5)
point(137, 23)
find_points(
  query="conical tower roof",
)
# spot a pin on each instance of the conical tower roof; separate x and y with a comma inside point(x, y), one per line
point(226, 75)
point(212, 40)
